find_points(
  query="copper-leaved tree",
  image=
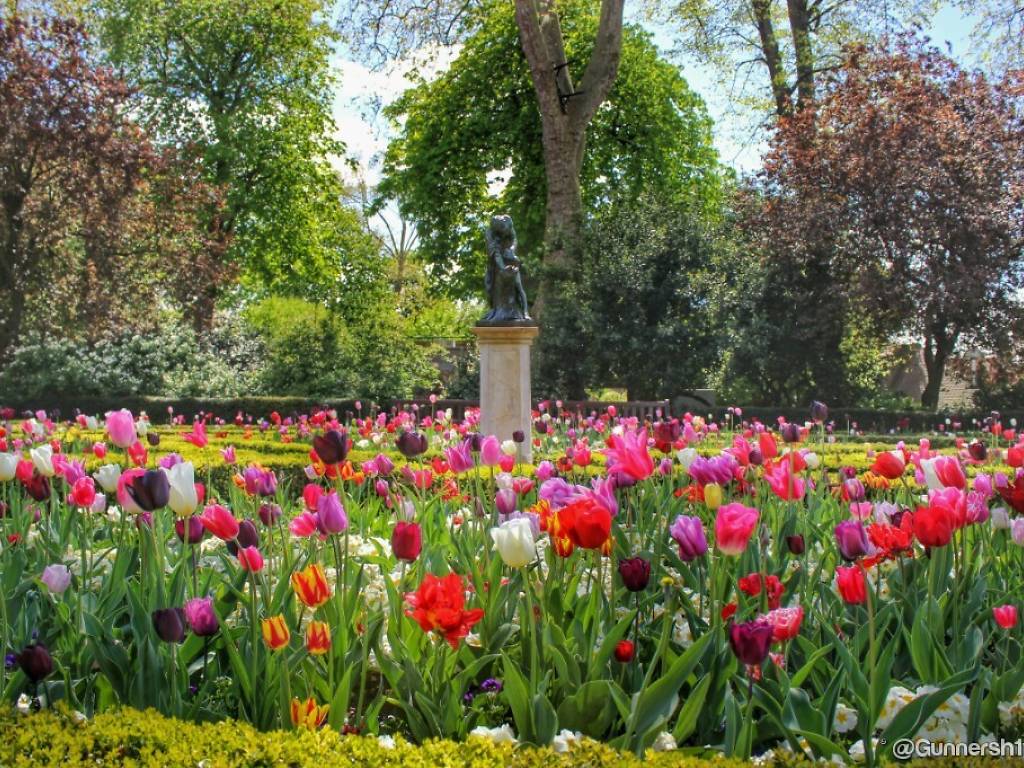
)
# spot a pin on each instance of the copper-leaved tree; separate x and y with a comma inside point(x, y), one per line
point(909, 178)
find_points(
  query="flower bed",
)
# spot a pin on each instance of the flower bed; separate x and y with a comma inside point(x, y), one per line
point(679, 585)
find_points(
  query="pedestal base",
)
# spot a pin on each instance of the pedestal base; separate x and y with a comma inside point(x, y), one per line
point(505, 401)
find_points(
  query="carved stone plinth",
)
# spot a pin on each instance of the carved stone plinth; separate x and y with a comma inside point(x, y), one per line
point(505, 382)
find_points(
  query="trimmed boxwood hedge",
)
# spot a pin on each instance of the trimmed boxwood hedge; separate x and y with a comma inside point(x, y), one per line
point(132, 738)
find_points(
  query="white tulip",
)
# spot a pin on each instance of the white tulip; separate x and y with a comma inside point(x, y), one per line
point(509, 448)
point(107, 476)
point(8, 466)
point(513, 540)
point(1000, 518)
point(99, 504)
point(686, 457)
point(142, 427)
point(42, 457)
point(183, 498)
point(813, 462)
point(931, 477)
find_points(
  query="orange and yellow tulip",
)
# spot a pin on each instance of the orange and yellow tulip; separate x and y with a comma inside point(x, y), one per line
point(318, 637)
point(275, 632)
point(310, 585)
point(307, 714)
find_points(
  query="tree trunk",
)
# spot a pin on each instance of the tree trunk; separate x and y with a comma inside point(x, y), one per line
point(762, 10)
point(566, 110)
point(10, 326)
point(937, 348)
point(799, 24)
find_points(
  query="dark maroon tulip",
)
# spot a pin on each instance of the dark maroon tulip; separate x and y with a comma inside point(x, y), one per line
point(755, 457)
point(541, 426)
point(38, 487)
point(795, 544)
point(195, 529)
point(169, 624)
point(635, 573)
point(411, 444)
point(750, 641)
point(852, 540)
point(247, 536)
point(331, 446)
point(406, 541)
point(269, 514)
point(667, 431)
point(518, 436)
point(153, 439)
point(819, 411)
point(150, 490)
point(475, 441)
point(790, 432)
point(978, 450)
point(35, 661)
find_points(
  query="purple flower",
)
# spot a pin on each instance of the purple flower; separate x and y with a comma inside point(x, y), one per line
point(259, 481)
point(852, 540)
point(751, 640)
point(556, 492)
point(460, 457)
point(505, 501)
point(201, 616)
point(718, 469)
point(331, 514)
point(545, 471)
point(490, 685)
point(169, 460)
point(56, 577)
point(688, 533)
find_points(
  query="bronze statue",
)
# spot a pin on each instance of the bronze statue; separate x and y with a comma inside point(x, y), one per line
point(503, 281)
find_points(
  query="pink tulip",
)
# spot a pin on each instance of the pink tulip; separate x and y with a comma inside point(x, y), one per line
point(490, 451)
point(734, 525)
point(121, 428)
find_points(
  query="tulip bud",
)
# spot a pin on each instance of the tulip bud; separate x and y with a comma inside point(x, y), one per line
point(635, 573)
point(795, 544)
point(713, 495)
point(505, 501)
point(153, 439)
point(624, 651)
point(331, 446)
point(269, 514)
point(406, 541)
point(169, 624)
point(819, 411)
point(518, 436)
point(195, 529)
point(790, 432)
point(35, 661)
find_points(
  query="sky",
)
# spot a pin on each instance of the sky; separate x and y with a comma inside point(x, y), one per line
point(361, 92)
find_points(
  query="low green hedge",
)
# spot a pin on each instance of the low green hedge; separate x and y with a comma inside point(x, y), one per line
point(132, 738)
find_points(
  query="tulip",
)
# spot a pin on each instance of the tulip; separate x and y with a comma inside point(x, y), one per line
point(38, 487)
point(790, 432)
point(1000, 518)
point(406, 541)
point(411, 444)
point(688, 533)
point(318, 637)
point(8, 466)
point(152, 438)
point(259, 481)
point(35, 661)
point(819, 411)
point(635, 573)
point(509, 448)
point(307, 714)
point(734, 525)
point(182, 497)
point(852, 584)
point(460, 457)
point(83, 493)
point(795, 544)
point(250, 559)
point(624, 651)
point(169, 624)
point(303, 525)
point(310, 585)
point(150, 490)
point(331, 513)
point(889, 464)
point(56, 577)
point(220, 522)
point(505, 501)
point(750, 641)
point(518, 436)
point(943, 472)
point(785, 623)
point(42, 458)
point(713, 496)
point(513, 540)
point(490, 451)
point(852, 540)
point(545, 471)
point(228, 454)
point(275, 632)
point(201, 616)
point(1017, 531)
point(587, 522)
point(628, 457)
point(121, 428)
point(107, 476)
point(933, 526)
point(332, 446)
point(195, 529)
point(269, 514)
point(977, 450)
point(1005, 616)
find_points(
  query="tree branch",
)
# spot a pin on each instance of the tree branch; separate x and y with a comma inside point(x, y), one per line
point(603, 65)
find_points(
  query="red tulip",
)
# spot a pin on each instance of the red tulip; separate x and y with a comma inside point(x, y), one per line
point(889, 465)
point(406, 541)
point(852, 584)
point(624, 651)
point(933, 526)
point(1005, 616)
point(220, 522)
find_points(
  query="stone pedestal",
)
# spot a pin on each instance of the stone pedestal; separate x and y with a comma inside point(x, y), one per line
point(505, 382)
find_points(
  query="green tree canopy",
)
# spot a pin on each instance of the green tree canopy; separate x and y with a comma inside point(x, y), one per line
point(468, 143)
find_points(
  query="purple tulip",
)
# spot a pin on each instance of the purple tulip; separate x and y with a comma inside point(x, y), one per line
point(269, 514)
point(635, 573)
point(35, 661)
point(259, 481)
point(385, 466)
point(169, 624)
point(201, 616)
point(852, 540)
point(411, 444)
point(331, 514)
point(56, 577)
point(688, 533)
point(505, 501)
point(331, 446)
point(750, 641)
point(150, 490)
point(195, 529)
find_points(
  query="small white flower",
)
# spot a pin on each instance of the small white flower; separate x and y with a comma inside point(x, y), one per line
point(503, 734)
point(664, 742)
point(388, 742)
point(846, 719)
point(565, 740)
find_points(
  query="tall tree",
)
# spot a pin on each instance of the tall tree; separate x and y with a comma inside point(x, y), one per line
point(245, 84)
point(567, 100)
point(999, 30)
point(793, 42)
point(909, 176)
point(69, 163)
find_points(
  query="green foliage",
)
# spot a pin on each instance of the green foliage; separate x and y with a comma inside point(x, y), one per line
point(469, 144)
point(643, 299)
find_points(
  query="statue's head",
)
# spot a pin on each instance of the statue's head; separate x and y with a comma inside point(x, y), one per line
point(501, 227)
